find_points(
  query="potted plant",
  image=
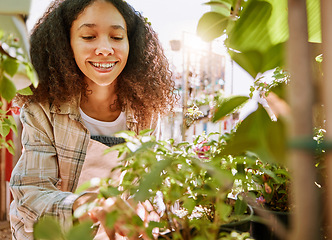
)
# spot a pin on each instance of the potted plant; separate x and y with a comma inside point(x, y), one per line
point(266, 188)
point(191, 182)
point(174, 190)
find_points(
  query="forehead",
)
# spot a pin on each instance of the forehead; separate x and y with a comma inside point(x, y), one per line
point(101, 14)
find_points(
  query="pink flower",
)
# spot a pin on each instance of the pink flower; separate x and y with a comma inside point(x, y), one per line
point(201, 149)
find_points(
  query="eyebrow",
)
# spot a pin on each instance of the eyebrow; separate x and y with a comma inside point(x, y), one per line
point(92, 25)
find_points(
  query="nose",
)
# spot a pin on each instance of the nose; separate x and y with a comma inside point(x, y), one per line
point(104, 47)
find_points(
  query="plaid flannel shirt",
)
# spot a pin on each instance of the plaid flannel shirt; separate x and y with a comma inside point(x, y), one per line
point(54, 148)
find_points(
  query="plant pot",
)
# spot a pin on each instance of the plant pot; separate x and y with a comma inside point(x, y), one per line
point(261, 231)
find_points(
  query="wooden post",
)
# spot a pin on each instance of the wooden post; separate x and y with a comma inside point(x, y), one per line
point(326, 8)
point(305, 217)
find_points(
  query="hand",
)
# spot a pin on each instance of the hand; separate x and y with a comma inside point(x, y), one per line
point(125, 212)
point(86, 198)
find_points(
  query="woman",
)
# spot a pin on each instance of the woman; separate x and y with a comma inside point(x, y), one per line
point(101, 69)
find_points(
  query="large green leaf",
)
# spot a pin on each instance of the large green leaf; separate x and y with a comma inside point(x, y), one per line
point(221, 6)
point(7, 89)
point(250, 32)
point(278, 22)
point(212, 25)
point(250, 61)
point(260, 135)
point(255, 62)
point(48, 229)
point(314, 21)
point(273, 57)
point(81, 231)
point(228, 105)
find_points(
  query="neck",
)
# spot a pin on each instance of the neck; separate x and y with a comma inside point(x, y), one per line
point(100, 102)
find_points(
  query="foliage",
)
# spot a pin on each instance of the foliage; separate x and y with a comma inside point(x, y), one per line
point(260, 140)
point(187, 184)
point(193, 113)
point(49, 229)
point(280, 78)
point(12, 61)
point(256, 30)
point(267, 183)
point(192, 180)
point(254, 135)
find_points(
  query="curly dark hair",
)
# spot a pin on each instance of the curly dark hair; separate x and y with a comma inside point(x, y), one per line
point(145, 84)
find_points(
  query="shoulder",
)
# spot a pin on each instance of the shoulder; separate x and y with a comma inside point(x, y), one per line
point(48, 109)
point(44, 113)
point(35, 109)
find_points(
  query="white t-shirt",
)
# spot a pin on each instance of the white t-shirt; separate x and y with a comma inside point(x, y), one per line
point(100, 128)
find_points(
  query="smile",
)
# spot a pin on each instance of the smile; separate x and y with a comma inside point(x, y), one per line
point(102, 65)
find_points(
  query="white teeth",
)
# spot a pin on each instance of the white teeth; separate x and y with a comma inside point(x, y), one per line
point(103, 65)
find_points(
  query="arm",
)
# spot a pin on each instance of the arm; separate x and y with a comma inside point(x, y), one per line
point(35, 178)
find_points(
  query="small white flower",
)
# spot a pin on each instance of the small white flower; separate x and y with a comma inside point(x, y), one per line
point(146, 139)
point(95, 182)
point(132, 147)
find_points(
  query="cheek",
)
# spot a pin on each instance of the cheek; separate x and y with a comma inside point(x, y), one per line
point(80, 53)
point(125, 51)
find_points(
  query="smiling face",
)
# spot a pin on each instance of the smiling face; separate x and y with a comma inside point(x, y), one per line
point(100, 43)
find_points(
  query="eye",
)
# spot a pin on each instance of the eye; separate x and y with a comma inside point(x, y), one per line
point(117, 38)
point(88, 37)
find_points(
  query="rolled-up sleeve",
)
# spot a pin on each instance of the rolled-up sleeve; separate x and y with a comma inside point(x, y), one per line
point(35, 179)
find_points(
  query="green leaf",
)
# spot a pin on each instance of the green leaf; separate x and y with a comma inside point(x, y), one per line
point(211, 25)
point(10, 66)
point(145, 132)
point(273, 57)
point(278, 22)
point(154, 224)
point(250, 32)
point(7, 89)
point(223, 7)
point(254, 135)
point(84, 186)
point(31, 73)
point(81, 231)
point(228, 105)
point(48, 228)
point(151, 180)
point(25, 91)
point(189, 204)
point(10, 147)
point(111, 218)
point(314, 21)
point(11, 123)
point(224, 210)
point(251, 61)
point(240, 207)
point(4, 129)
point(109, 191)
